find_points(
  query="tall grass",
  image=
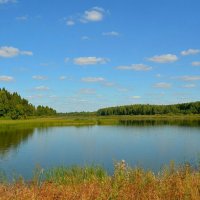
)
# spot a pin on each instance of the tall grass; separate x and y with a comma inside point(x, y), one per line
point(172, 183)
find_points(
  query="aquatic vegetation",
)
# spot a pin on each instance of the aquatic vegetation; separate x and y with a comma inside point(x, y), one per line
point(171, 183)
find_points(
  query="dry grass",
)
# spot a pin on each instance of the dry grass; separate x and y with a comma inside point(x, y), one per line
point(125, 184)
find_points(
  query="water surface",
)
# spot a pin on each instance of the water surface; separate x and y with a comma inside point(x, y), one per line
point(146, 145)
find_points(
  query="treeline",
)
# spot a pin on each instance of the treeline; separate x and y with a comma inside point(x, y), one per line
point(146, 109)
point(15, 107)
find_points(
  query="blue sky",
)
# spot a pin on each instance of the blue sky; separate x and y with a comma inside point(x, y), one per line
point(83, 55)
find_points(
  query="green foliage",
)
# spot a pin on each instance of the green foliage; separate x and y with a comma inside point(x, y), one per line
point(140, 109)
point(74, 174)
point(15, 107)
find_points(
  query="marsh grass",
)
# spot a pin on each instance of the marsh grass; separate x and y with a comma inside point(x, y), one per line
point(171, 183)
point(100, 120)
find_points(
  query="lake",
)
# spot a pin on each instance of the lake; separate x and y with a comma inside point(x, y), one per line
point(147, 144)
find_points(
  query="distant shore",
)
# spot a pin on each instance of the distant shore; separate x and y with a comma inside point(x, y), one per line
point(78, 120)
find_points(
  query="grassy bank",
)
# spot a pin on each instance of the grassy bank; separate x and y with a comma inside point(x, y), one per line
point(95, 120)
point(93, 183)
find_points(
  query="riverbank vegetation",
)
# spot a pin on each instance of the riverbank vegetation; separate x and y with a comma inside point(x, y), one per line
point(13, 106)
point(126, 183)
point(182, 120)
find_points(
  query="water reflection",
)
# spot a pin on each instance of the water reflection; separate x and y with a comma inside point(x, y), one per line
point(12, 137)
point(147, 143)
point(154, 122)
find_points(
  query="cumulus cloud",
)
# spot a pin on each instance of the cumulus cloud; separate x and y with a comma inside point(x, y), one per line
point(7, 1)
point(162, 85)
point(6, 78)
point(90, 61)
point(39, 77)
point(135, 67)
point(70, 22)
point(93, 79)
point(95, 14)
point(196, 63)
point(189, 78)
point(9, 52)
point(190, 52)
point(165, 58)
point(42, 88)
point(112, 33)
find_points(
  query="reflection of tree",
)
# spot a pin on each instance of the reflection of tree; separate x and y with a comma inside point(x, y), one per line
point(11, 137)
point(154, 122)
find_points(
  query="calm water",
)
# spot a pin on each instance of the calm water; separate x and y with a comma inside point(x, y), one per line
point(146, 144)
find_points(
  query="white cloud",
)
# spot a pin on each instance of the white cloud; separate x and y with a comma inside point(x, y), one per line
point(42, 88)
point(166, 58)
point(190, 52)
point(135, 67)
point(62, 77)
point(27, 53)
point(7, 1)
point(92, 79)
point(162, 85)
point(108, 84)
point(189, 86)
point(158, 75)
point(9, 52)
point(93, 15)
point(87, 91)
point(189, 78)
point(196, 63)
point(39, 77)
point(135, 97)
point(6, 78)
point(89, 61)
point(85, 37)
point(70, 22)
point(37, 96)
point(112, 33)
point(22, 18)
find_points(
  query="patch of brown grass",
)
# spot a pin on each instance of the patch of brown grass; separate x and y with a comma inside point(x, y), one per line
point(126, 184)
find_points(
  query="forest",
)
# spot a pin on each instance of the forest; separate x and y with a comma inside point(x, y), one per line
point(146, 109)
point(13, 106)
